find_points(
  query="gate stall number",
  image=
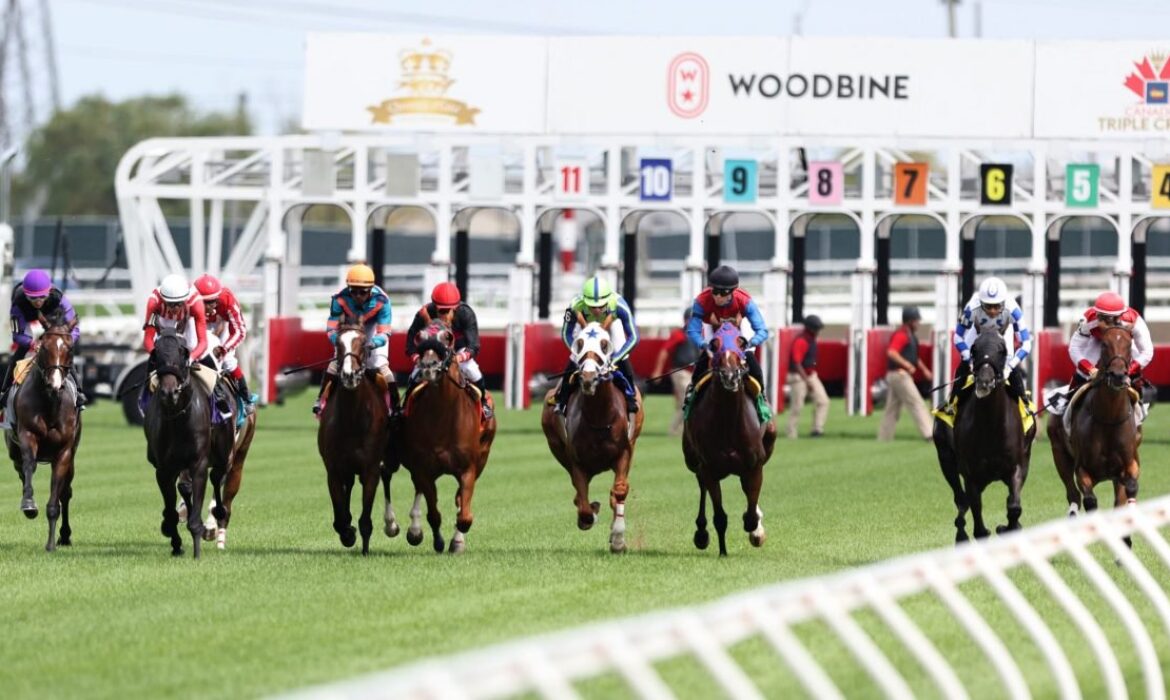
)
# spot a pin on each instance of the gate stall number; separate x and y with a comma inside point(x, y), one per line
point(572, 178)
point(910, 181)
point(826, 182)
point(657, 177)
point(1160, 197)
point(1080, 184)
point(740, 181)
point(995, 184)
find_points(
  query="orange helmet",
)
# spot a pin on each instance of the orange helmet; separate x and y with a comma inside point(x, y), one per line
point(446, 294)
point(209, 287)
point(1109, 304)
point(359, 276)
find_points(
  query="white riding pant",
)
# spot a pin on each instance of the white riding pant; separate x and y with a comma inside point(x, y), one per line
point(470, 370)
point(378, 358)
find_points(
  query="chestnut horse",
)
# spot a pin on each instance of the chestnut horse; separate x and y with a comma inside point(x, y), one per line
point(723, 436)
point(442, 432)
point(988, 442)
point(595, 436)
point(353, 432)
point(46, 426)
point(1103, 434)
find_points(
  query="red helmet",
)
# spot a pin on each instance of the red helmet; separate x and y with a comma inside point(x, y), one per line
point(209, 287)
point(1109, 304)
point(445, 294)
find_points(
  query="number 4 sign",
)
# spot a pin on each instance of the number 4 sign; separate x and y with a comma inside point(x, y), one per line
point(572, 178)
point(1080, 184)
point(1160, 197)
point(826, 182)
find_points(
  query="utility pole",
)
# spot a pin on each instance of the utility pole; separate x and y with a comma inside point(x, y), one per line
point(29, 86)
point(951, 23)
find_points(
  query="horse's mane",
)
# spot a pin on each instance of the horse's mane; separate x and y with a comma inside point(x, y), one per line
point(988, 342)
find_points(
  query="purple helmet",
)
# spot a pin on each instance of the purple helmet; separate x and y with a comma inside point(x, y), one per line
point(37, 284)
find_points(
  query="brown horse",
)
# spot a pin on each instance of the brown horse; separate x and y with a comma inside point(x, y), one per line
point(1103, 438)
point(594, 435)
point(723, 436)
point(988, 442)
point(442, 433)
point(353, 433)
point(46, 427)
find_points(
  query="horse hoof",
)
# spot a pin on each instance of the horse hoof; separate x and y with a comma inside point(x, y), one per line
point(440, 545)
point(392, 529)
point(208, 533)
point(50, 546)
point(757, 540)
point(221, 538)
point(617, 544)
point(702, 539)
point(585, 522)
point(1002, 529)
point(64, 542)
point(30, 512)
point(961, 537)
point(457, 547)
point(177, 552)
point(595, 507)
point(348, 537)
point(414, 537)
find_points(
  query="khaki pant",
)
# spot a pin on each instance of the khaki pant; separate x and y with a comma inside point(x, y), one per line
point(902, 392)
point(799, 391)
point(679, 382)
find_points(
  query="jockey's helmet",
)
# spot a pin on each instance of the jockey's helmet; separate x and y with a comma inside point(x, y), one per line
point(993, 292)
point(597, 292)
point(1109, 304)
point(723, 277)
point(446, 295)
point(359, 276)
point(208, 287)
point(37, 284)
point(174, 288)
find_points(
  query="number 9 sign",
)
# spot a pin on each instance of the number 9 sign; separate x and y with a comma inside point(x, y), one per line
point(740, 181)
point(995, 184)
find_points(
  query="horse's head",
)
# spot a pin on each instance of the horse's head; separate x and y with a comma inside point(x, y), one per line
point(593, 353)
point(988, 358)
point(350, 352)
point(55, 353)
point(435, 345)
point(1116, 345)
point(728, 348)
point(171, 358)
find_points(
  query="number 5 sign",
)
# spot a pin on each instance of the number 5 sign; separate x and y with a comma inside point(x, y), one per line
point(572, 178)
point(826, 182)
point(1080, 184)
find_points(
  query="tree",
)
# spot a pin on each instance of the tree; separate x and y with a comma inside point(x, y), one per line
point(70, 161)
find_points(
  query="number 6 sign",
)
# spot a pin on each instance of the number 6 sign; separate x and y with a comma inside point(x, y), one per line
point(826, 182)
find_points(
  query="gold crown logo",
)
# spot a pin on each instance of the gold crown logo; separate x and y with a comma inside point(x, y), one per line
point(424, 70)
point(1158, 58)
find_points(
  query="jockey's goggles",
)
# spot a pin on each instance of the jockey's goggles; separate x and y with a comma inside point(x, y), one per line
point(992, 307)
point(1109, 320)
point(360, 291)
point(722, 291)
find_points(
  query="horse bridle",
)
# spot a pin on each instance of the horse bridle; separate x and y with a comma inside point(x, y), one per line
point(66, 369)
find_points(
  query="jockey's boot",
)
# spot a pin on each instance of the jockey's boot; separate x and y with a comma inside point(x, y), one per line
point(248, 397)
point(391, 394)
point(562, 396)
point(483, 399)
point(762, 408)
point(631, 403)
point(82, 400)
point(325, 381)
point(688, 397)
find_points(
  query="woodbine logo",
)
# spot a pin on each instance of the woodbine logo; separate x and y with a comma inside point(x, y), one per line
point(820, 86)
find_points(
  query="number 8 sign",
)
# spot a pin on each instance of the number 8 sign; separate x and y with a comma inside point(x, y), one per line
point(826, 182)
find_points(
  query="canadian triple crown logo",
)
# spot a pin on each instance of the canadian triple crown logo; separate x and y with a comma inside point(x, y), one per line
point(1151, 81)
point(424, 79)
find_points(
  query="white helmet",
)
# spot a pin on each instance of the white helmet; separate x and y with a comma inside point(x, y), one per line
point(993, 292)
point(174, 288)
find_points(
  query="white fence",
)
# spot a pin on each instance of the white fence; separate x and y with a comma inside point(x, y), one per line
point(548, 665)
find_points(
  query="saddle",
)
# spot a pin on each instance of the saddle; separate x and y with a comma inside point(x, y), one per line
point(754, 390)
point(1066, 411)
point(210, 383)
point(470, 389)
point(949, 412)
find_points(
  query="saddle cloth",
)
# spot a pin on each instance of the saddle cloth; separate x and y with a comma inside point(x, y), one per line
point(949, 412)
point(1062, 405)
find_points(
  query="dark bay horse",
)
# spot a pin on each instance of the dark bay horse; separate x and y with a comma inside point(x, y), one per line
point(179, 435)
point(988, 442)
point(442, 432)
point(46, 426)
point(594, 436)
point(723, 436)
point(1103, 435)
point(353, 433)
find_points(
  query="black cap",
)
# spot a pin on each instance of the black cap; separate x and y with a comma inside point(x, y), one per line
point(813, 322)
point(723, 276)
point(911, 313)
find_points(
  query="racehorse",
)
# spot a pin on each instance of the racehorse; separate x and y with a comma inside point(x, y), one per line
point(723, 436)
point(46, 426)
point(987, 443)
point(595, 436)
point(353, 433)
point(442, 433)
point(1103, 435)
point(181, 440)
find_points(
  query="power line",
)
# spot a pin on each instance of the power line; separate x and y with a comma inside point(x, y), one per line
point(121, 54)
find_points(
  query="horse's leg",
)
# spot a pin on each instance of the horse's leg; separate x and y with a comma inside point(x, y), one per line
point(1086, 483)
point(370, 480)
point(975, 499)
point(464, 518)
point(1127, 488)
point(434, 518)
point(586, 510)
point(391, 523)
point(617, 501)
point(28, 465)
point(718, 515)
point(949, 464)
point(414, 534)
point(753, 517)
point(214, 521)
point(65, 538)
point(62, 468)
point(1065, 466)
point(342, 521)
point(231, 487)
point(1014, 508)
point(702, 539)
point(195, 515)
point(184, 495)
point(170, 521)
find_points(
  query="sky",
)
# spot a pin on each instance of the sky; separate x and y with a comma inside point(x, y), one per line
point(214, 50)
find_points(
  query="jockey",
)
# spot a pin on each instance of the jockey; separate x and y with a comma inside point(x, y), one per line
point(596, 302)
point(366, 301)
point(1084, 348)
point(35, 299)
point(724, 300)
point(227, 322)
point(991, 308)
point(448, 305)
point(176, 304)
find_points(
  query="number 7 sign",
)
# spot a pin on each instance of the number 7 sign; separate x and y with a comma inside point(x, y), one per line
point(910, 180)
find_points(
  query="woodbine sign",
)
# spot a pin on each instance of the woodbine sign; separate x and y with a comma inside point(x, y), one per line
point(764, 86)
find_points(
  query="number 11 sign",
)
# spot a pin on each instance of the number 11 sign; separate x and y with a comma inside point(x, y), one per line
point(572, 178)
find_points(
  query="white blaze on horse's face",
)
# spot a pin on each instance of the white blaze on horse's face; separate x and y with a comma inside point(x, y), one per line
point(57, 375)
point(349, 369)
point(592, 349)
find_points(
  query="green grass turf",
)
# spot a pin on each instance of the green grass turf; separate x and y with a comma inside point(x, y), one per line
point(286, 606)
